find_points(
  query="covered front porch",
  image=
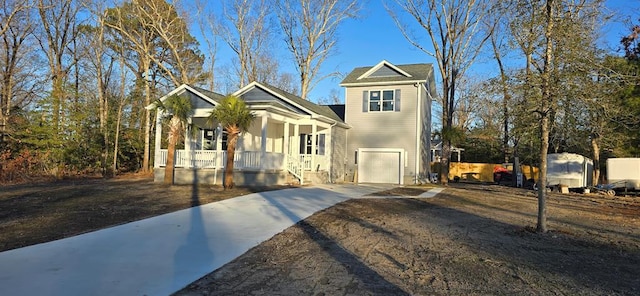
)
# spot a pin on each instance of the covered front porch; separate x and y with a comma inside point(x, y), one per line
point(210, 159)
point(274, 149)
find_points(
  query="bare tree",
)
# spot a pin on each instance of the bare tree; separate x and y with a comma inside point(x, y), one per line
point(332, 98)
point(11, 10)
point(14, 60)
point(206, 24)
point(499, 45)
point(557, 38)
point(103, 66)
point(158, 35)
point(122, 102)
point(244, 27)
point(310, 30)
point(139, 44)
point(470, 102)
point(546, 105)
point(58, 20)
point(181, 60)
point(457, 36)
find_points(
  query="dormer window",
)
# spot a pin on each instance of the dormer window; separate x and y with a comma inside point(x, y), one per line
point(381, 100)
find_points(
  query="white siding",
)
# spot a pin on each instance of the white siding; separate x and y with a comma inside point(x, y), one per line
point(338, 148)
point(382, 129)
point(275, 134)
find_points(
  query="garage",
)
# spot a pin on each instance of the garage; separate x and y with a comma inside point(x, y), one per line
point(380, 165)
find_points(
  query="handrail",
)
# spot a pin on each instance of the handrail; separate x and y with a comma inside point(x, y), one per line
point(295, 167)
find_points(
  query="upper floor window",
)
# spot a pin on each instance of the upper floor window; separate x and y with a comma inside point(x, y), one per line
point(381, 100)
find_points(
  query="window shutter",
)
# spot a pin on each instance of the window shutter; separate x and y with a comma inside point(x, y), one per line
point(397, 103)
point(365, 101)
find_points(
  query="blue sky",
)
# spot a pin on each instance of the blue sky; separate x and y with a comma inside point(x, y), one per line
point(374, 37)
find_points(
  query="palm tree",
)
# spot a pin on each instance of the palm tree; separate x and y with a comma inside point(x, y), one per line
point(235, 117)
point(180, 109)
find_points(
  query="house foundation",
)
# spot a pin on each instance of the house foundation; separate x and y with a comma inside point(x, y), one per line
point(216, 177)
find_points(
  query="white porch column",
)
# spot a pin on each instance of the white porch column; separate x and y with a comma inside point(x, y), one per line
point(263, 141)
point(285, 144)
point(296, 141)
point(219, 154)
point(328, 151)
point(314, 134)
point(187, 145)
point(157, 154)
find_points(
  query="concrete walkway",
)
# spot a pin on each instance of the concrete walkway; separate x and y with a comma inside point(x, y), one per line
point(160, 255)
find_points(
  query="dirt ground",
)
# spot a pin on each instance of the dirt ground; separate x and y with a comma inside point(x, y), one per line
point(468, 240)
point(46, 211)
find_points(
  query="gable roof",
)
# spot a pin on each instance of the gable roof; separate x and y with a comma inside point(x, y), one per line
point(212, 95)
point(208, 96)
point(290, 98)
point(409, 73)
point(391, 70)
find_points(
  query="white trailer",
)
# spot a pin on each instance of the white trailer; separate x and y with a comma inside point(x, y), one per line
point(570, 170)
point(623, 173)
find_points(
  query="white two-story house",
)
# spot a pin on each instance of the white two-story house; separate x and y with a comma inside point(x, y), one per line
point(388, 108)
point(380, 135)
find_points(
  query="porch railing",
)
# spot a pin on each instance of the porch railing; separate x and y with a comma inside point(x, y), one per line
point(296, 167)
point(217, 159)
point(320, 162)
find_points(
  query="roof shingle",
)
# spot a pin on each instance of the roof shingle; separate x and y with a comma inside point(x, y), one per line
point(418, 72)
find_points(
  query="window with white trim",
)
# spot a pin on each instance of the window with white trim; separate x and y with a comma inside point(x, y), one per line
point(306, 147)
point(209, 138)
point(382, 100)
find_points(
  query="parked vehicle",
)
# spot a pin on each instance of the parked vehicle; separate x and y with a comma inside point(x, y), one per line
point(502, 176)
point(623, 173)
point(570, 170)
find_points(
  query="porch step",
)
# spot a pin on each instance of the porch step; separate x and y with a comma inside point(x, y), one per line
point(320, 177)
point(291, 179)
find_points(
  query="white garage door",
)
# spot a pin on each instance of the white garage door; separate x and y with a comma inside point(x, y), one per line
point(380, 165)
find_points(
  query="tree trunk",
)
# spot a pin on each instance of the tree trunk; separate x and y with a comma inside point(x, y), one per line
point(542, 175)
point(546, 111)
point(596, 159)
point(5, 106)
point(169, 168)
point(103, 115)
point(116, 139)
point(304, 85)
point(447, 127)
point(505, 99)
point(147, 122)
point(57, 96)
point(231, 150)
point(114, 167)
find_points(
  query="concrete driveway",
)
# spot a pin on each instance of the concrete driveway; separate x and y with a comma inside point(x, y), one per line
point(160, 255)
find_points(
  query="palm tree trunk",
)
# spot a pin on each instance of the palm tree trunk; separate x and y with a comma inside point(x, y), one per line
point(171, 151)
point(228, 169)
